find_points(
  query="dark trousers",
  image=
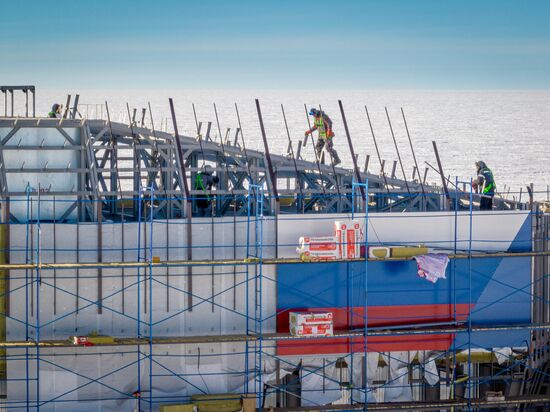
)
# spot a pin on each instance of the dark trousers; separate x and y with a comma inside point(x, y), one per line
point(321, 142)
point(203, 206)
point(486, 203)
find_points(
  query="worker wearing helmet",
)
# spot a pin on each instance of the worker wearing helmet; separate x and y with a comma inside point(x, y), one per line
point(323, 125)
point(56, 111)
point(485, 185)
point(204, 181)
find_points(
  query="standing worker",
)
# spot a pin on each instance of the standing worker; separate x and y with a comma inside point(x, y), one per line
point(56, 110)
point(204, 181)
point(485, 185)
point(323, 124)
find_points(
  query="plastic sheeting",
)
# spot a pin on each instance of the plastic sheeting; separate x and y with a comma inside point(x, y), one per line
point(432, 266)
point(84, 375)
point(397, 387)
point(320, 382)
point(431, 374)
point(357, 377)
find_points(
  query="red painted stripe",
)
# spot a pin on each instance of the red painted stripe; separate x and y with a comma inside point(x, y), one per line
point(374, 344)
point(377, 316)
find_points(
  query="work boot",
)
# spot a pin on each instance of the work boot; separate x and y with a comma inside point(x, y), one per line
point(336, 160)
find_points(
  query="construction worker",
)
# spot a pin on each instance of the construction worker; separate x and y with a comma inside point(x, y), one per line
point(56, 110)
point(323, 124)
point(485, 185)
point(204, 181)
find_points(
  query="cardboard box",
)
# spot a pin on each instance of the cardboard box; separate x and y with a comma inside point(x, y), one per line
point(310, 317)
point(330, 256)
point(317, 244)
point(311, 323)
point(318, 248)
point(92, 340)
point(322, 329)
point(349, 237)
point(249, 402)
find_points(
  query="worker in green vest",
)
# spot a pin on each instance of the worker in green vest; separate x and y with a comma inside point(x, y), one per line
point(56, 111)
point(204, 181)
point(323, 125)
point(485, 185)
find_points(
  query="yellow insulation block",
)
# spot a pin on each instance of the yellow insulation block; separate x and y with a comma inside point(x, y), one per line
point(223, 402)
point(188, 407)
point(407, 251)
point(101, 340)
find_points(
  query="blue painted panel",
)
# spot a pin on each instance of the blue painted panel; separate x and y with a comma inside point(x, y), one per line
point(522, 241)
point(389, 283)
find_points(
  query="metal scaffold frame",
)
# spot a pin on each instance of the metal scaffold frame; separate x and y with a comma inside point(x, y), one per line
point(258, 344)
point(164, 167)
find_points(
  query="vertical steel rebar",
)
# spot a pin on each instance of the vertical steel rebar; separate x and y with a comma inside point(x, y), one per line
point(379, 157)
point(189, 208)
point(332, 161)
point(272, 176)
point(300, 204)
point(352, 151)
point(443, 179)
point(397, 150)
point(413, 153)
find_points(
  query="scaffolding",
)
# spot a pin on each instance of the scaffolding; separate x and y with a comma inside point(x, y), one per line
point(123, 298)
point(36, 278)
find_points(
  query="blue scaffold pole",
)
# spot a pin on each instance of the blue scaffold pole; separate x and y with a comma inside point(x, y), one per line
point(151, 215)
point(37, 311)
point(247, 307)
point(255, 211)
point(138, 303)
point(470, 298)
point(259, 315)
point(366, 301)
point(27, 337)
point(453, 285)
point(364, 186)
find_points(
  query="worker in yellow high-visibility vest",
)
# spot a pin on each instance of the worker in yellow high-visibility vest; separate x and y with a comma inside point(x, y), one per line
point(485, 185)
point(323, 125)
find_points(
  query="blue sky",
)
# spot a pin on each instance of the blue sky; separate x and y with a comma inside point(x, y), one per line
point(390, 44)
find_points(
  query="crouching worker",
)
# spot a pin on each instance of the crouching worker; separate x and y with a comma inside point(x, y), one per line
point(55, 112)
point(204, 181)
point(485, 185)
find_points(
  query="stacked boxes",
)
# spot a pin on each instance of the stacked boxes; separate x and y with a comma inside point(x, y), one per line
point(349, 237)
point(320, 248)
point(311, 323)
point(346, 243)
